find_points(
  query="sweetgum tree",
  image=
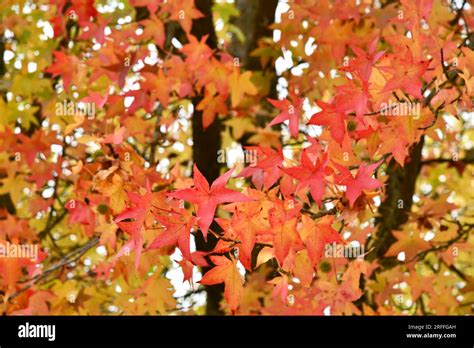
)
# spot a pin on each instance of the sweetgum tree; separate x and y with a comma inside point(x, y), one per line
point(208, 157)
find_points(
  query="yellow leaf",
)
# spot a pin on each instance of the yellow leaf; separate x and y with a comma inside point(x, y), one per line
point(240, 84)
point(107, 236)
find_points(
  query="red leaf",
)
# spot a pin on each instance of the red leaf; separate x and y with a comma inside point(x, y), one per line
point(207, 198)
point(290, 110)
point(316, 235)
point(64, 66)
point(310, 174)
point(226, 272)
point(330, 117)
point(362, 181)
point(178, 230)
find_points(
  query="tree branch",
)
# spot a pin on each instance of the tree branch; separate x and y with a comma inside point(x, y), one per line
point(68, 259)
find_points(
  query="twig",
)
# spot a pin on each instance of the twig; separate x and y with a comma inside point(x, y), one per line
point(320, 214)
point(69, 258)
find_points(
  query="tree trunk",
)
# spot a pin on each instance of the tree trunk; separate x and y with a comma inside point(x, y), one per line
point(255, 18)
point(393, 212)
point(206, 144)
point(253, 21)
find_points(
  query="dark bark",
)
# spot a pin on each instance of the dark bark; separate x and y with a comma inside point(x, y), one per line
point(400, 189)
point(393, 212)
point(391, 215)
point(206, 144)
point(256, 16)
point(2, 51)
point(254, 21)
